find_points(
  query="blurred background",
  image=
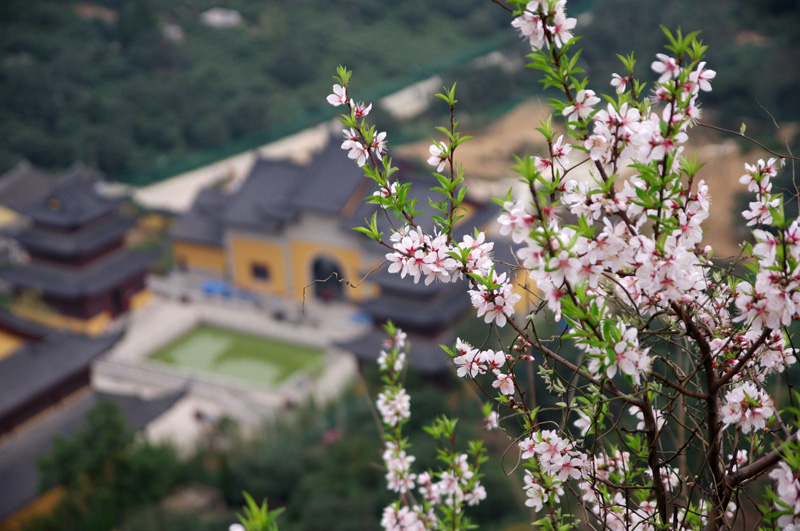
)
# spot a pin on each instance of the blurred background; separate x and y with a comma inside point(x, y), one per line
point(164, 182)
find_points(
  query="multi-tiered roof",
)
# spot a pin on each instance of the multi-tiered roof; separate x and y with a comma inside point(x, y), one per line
point(76, 243)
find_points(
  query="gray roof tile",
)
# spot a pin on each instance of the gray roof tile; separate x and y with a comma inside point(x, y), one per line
point(39, 365)
point(72, 201)
point(24, 184)
point(97, 277)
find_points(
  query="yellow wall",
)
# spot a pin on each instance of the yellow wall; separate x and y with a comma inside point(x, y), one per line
point(44, 504)
point(7, 217)
point(9, 343)
point(196, 256)
point(527, 288)
point(140, 299)
point(93, 327)
point(247, 251)
point(305, 252)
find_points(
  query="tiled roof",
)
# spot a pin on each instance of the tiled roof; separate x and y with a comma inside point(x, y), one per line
point(23, 185)
point(22, 327)
point(72, 201)
point(203, 223)
point(95, 278)
point(412, 312)
point(273, 194)
point(425, 353)
point(40, 365)
point(266, 197)
point(330, 181)
point(71, 244)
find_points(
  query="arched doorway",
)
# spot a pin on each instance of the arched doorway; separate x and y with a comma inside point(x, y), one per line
point(326, 274)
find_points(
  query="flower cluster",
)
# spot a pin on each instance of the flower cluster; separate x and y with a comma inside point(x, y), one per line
point(454, 487)
point(747, 406)
point(360, 148)
point(470, 363)
point(398, 465)
point(616, 254)
point(544, 22)
point(759, 180)
point(418, 254)
point(394, 406)
point(614, 509)
point(555, 461)
point(788, 500)
point(626, 356)
point(770, 356)
point(398, 517)
point(495, 300)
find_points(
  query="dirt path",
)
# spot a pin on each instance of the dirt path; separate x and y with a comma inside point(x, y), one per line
point(488, 159)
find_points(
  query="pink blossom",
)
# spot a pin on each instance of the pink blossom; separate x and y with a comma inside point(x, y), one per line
point(394, 406)
point(701, 76)
point(560, 152)
point(504, 383)
point(438, 156)
point(788, 492)
point(339, 96)
point(530, 26)
point(667, 67)
point(619, 83)
point(562, 28)
point(492, 421)
point(495, 305)
point(360, 109)
point(748, 407)
point(582, 107)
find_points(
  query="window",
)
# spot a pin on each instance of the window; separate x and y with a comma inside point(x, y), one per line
point(259, 271)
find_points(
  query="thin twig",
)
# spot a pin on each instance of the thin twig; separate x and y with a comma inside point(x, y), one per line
point(749, 139)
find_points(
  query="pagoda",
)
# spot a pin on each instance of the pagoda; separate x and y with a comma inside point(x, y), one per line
point(79, 264)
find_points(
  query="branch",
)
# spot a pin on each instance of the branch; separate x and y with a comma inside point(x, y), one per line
point(741, 363)
point(713, 425)
point(756, 468)
point(682, 390)
point(501, 4)
point(605, 385)
point(650, 428)
point(753, 140)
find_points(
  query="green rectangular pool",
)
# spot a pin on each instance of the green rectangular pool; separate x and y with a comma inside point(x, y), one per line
point(237, 355)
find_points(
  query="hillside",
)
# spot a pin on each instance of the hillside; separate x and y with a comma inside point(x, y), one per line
point(143, 89)
point(128, 85)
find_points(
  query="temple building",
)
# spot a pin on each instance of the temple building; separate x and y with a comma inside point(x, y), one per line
point(286, 226)
point(287, 232)
point(80, 274)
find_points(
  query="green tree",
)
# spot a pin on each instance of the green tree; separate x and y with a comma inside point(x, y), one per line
point(105, 473)
point(135, 18)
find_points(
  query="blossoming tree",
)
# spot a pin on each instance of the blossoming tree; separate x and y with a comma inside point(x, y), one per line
point(670, 363)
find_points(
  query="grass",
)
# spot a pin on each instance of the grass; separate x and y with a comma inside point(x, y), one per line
point(232, 354)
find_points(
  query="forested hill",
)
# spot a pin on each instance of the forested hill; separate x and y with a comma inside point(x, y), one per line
point(134, 85)
point(128, 84)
